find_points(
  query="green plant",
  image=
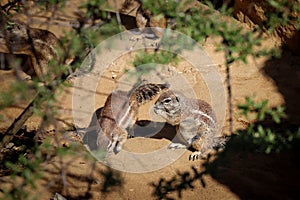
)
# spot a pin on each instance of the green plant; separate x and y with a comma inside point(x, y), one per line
point(27, 168)
point(266, 130)
point(147, 61)
point(282, 13)
point(93, 11)
point(259, 110)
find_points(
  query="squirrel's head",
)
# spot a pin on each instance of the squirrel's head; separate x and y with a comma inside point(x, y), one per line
point(168, 106)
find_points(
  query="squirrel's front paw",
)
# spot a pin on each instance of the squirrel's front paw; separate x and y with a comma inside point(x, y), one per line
point(197, 155)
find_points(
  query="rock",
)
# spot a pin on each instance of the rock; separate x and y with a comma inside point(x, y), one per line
point(252, 12)
point(58, 196)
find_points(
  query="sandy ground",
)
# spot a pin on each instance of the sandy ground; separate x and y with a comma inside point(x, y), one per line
point(233, 174)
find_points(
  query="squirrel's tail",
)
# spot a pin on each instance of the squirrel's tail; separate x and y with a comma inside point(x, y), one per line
point(147, 92)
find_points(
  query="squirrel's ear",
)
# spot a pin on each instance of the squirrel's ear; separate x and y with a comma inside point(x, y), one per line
point(166, 85)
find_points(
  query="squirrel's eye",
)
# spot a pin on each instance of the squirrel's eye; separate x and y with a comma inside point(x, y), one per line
point(168, 100)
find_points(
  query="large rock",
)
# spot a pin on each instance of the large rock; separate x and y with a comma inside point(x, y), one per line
point(253, 12)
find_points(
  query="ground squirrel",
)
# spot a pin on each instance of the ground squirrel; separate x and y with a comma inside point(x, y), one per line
point(195, 122)
point(36, 44)
point(119, 114)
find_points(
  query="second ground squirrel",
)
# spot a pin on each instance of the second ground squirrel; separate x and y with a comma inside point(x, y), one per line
point(119, 114)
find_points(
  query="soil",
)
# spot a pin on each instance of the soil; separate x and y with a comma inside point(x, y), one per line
point(235, 173)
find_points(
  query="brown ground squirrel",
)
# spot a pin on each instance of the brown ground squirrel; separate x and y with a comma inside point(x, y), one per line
point(38, 45)
point(120, 113)
point(195, 122)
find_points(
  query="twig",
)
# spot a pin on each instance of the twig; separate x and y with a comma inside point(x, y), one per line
point(18, 123)
point(118, 17)
point(228, 80)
